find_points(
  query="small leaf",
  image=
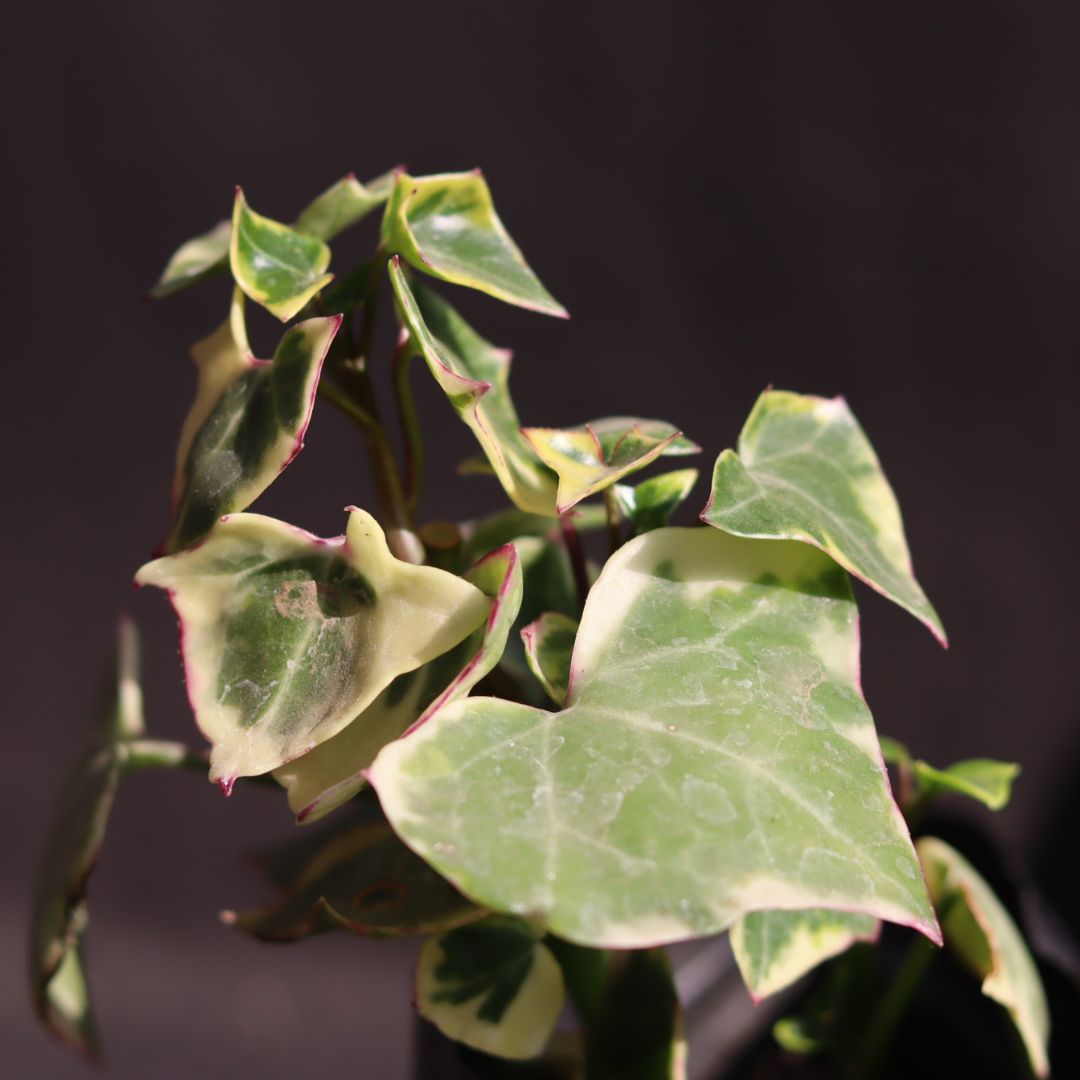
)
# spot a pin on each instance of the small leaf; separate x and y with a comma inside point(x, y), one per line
point(988, 781)
point(589, 458)
point(328, 776)
point(893, 751)
point(805, 470)
point(549, 644)
point(201, 258)
point(492, 985)
point(342, 206)
point(278, 267)
point(287, 638)
point(650, 505)
point(715, 757)
point(984, 937)
point(777, 948)
point(368, 882)
point(474, 375)
point(446, 226)
point(247, 423)
point(500, 528)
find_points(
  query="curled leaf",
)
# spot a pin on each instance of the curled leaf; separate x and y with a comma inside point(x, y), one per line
point(343, 205)
point(651, 503)
point(982, 779)
point(196, 260)
point(549, 644)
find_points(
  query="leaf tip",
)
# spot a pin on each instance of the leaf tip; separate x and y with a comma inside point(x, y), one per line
point(226, 785)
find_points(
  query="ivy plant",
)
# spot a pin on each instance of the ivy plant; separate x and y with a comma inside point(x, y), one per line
point(559, 765)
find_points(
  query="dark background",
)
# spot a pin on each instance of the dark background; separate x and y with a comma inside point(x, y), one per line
point(876, 200)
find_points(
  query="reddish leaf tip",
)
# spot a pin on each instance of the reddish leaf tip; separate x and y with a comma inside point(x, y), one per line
point(226, 785)
point(229, 918)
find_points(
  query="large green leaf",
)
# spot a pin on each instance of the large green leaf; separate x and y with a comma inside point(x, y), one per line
point(58, 983)
point(492, 985)
point(474, 375)
point(343, 205)
point(982, 934)
point(366, 881)
point(776, 948)
point(287, 638)
point(591, 457)
point(278, 267)
point(195, 261)
point(651, 503)
point(331, 774)
point(715, 757)
point(549, 645)
point(247, 423)
point(805, 470)
point(446, 226)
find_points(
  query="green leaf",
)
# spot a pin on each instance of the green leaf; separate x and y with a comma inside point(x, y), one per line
point(805, 470)
point(201, 258)
point(366, 881)
point(549, 644)
point(446, 226)
point(247, 423)
point(488, 533)
point(328, 776)
point(278, 267)
point(343, 205)
point(650, 505)
point(715, 757)
point(591, 457)
point(777, 948)
point(474, 375)
point(984, 937)
point(58, 983)
point(988, 781)
point(492, 985)
point(287, 638)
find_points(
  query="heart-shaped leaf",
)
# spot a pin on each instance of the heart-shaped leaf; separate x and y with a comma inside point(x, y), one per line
point(366, 881)
point(446, 226)
point(278, 267)
point(651, 503)
point(777, 948)
point(247, 423)
point(331, 774)
point(58, 983)
point(474, 375)
point(287, 638)
point(591, 457)
point(201, 258)
point(343, 205)
point(984, 937)
point(715, 757)
point(549, 645)
point(805, 470)
point(492, 985)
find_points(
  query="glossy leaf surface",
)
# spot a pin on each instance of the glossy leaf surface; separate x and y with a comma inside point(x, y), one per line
point(651, 503)
point(474, 374)
point(446, 226)
point(365, 881)
point(589, 458)
point(278, 267)
point(247, 423)
point(286, 638)
point(342, 205)
point(777, 948)
point(200, 258)
point(984, 937)
point(331, 774)
point(715, 757)
point(492, 985)
point(805, 470)
point(549, 645)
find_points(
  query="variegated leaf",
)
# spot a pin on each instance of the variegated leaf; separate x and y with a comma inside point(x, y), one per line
point(777, 948)
point(446, 226)
point(549, 644)
point(589, 458)
point(195, 261)
point(366, 881)
point(492, 985)
point(343, 205)
point(247, 423)
point(287, 638)
point(278, 267)
point(805, 470)
point(474, 375)
point(328, 776)
point(651, 503)
point(984, 937)
point(715, 757)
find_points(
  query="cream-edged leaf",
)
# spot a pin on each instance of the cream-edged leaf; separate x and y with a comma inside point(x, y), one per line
point(342, 205)
point(196, 260)
point(984, 937)
point(492, 985)
point(286, 638)
point(715, 757)
point(651, 503)
point(328, 776)
point(805, 470)
point(549, 644)
point(777, 948)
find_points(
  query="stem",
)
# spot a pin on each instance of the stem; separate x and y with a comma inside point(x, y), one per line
point(614, 521)
point(367, 320)
point(410, 422)
point(577, 556)
point(160, 754)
